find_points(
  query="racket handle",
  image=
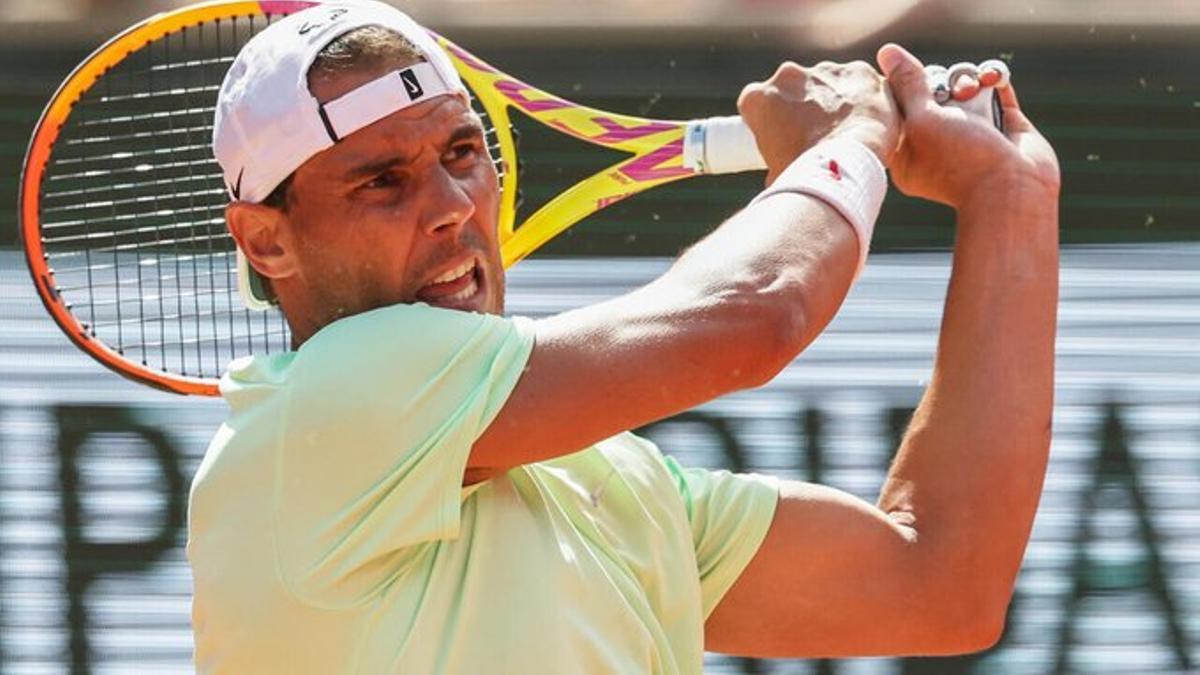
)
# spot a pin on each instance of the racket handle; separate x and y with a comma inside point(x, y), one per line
point(720, 145)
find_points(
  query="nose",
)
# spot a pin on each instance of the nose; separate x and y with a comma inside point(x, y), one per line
point(449, 205)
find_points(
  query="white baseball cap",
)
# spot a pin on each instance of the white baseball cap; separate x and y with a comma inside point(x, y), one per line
point(268, 123)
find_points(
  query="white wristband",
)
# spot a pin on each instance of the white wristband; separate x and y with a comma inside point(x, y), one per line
point(844, 174)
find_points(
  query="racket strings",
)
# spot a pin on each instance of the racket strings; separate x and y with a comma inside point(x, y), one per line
point(137, 136)
point(133, 210)
point(146, 293)
point(133, 205)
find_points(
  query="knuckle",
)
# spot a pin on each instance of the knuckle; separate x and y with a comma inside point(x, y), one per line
point(788, 71)
point(750, 97)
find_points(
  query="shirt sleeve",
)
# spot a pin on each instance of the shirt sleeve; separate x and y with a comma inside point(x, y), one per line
point(381, 411)
point(730, 514)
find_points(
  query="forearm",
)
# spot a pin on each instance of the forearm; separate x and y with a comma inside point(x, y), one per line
point(793, 252)
point(969, 472)
point(732, 311)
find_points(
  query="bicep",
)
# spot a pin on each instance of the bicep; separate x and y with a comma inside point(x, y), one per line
point(607, 368)
point(835, 576)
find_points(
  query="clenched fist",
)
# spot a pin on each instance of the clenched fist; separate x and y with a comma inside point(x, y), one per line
point(799, 107)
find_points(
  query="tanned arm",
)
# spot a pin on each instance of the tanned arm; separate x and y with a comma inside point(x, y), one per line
point(930, 568)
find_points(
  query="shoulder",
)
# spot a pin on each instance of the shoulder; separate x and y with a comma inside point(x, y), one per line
point(396, 348)
point(400, 329)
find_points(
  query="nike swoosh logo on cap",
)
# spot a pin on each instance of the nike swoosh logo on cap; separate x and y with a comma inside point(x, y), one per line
point(236, 189)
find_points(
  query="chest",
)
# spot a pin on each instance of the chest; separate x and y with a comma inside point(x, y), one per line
point(586, 561)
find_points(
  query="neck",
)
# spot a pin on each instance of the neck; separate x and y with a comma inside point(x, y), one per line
point(303, 321)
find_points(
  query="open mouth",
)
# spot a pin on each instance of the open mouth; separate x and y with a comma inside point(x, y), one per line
point(454, 288)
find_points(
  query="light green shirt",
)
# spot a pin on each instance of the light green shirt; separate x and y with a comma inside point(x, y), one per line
point(329, 531)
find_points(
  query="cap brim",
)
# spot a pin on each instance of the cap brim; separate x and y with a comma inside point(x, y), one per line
point(251, 286)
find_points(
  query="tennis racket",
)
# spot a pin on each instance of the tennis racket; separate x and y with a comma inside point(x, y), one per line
point(122, 204)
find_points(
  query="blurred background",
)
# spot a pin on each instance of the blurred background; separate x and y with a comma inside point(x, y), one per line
point(94, 470)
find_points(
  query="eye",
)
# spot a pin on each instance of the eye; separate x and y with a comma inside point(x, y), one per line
point(464, 152)
point(382, 181)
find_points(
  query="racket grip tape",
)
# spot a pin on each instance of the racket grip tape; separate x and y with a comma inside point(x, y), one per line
point(720, 145)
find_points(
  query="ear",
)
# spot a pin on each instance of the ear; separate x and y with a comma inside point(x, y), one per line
point(262, 234)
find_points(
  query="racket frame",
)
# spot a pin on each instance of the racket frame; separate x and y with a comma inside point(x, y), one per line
point(37, 159)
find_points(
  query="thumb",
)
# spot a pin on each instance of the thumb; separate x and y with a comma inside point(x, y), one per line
point(906, 75)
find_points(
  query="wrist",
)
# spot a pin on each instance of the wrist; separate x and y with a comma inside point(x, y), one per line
point(871, 134)
point(1010, 223)
point(846, 175)
point(1011, 189)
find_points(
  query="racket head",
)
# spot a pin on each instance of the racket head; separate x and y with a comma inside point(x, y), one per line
point(122, 205)
point(78, 165)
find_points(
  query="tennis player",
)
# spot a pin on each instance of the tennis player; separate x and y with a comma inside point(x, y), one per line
point(425, 485)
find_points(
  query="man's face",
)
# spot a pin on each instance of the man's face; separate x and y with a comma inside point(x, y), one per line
point(401, 211)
